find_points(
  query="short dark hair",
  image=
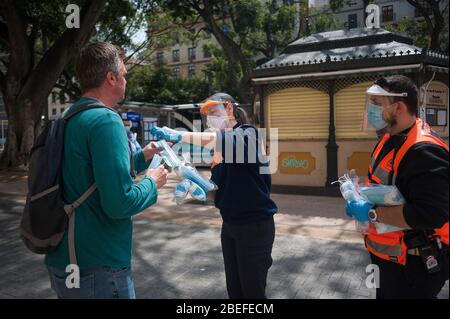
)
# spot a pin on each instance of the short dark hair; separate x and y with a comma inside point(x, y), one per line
point(401, 84)
point(240, 115)
point(95, 61)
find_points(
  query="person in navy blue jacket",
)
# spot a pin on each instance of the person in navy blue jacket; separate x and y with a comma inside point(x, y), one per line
point(240, 170)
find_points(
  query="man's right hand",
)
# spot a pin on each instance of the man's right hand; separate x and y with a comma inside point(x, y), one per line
point(159, 175)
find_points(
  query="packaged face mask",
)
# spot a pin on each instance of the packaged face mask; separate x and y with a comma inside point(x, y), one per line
point(348, 185)
point(188, 187)
point(384, 228)
point(190, 173)
point(384, 195)
point(349, 190)
point(193, 182)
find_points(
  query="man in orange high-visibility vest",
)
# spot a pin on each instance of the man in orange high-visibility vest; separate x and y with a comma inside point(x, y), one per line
point(413, 262)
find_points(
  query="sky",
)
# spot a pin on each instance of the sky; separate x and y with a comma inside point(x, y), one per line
point(140, 36)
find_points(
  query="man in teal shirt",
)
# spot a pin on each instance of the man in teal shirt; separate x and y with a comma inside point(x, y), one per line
point(96, 150)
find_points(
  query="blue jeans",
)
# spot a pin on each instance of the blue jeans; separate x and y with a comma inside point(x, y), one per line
point(96, 283)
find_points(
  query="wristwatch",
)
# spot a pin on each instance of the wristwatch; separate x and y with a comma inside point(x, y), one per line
point(373, 215)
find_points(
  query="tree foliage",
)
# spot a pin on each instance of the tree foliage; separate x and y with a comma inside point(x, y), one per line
point(37, 50)
point(156, 84)
point(244, 29)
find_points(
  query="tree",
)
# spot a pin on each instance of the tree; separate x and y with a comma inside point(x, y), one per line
point(433, 12)
point(416, 30)
point(243, 29)
point(217, 71)
point(117, 24)
point(157, 84)
point(322, 21)
point(39, 56)
point(30, 78)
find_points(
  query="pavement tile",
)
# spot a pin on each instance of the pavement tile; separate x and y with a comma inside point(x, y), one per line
point(173, 258)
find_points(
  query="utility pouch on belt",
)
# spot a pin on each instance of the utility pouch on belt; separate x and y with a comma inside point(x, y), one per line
point(429, 256)
point(428, 250)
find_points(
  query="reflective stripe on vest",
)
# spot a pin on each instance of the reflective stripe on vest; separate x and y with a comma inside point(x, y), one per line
point(377, 150)
point(390, 246)
point(390, 250)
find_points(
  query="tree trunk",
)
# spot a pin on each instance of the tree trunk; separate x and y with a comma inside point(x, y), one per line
point(435, 27)
point(439, 23)
point(23, 126)
point(28, 85)
point(435, 43)
point(232, 52)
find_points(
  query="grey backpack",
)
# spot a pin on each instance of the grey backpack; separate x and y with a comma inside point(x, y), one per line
point(46, 216)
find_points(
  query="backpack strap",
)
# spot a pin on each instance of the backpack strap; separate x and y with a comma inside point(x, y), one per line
point(84, 107)
point(70, 211)
point(70, 208)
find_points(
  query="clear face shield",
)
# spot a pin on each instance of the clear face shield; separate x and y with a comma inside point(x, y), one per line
point(379, 105)
point(215, 115)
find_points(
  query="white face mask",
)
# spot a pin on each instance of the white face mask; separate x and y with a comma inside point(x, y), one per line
point(216, 122)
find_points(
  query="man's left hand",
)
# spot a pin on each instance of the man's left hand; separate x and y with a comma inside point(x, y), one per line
point(150, 150)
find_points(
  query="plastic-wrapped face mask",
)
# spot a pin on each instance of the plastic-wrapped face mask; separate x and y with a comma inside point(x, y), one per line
point(193, 175)
point(384, 195)
point(348, 191)
point(186, 186)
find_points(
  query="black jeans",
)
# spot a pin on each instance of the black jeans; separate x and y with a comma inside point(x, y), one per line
point(411, 281)
point(247, 255)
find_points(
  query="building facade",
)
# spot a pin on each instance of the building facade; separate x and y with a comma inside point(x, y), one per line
point(57, 103)
point(352, 14)
point(187, 58)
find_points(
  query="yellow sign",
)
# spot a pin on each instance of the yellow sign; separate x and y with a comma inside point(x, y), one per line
point(296, 163)
point(359, 161)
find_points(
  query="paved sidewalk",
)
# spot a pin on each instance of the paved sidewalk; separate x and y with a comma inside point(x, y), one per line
point(183, 261)
point(177, 251)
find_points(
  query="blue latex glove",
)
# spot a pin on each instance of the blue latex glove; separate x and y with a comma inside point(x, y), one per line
point(165, 133)
point(359, 210)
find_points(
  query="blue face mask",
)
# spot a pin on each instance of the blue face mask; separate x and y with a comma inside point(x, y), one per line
point(375, 116)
